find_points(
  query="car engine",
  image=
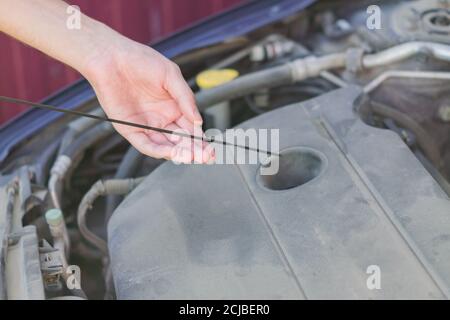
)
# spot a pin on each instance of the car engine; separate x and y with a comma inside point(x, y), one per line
point(362, 184)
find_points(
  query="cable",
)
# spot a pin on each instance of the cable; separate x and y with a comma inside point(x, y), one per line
point(102, 188)
point(69, 153)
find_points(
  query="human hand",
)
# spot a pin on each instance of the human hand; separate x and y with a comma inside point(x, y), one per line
point(135, 83)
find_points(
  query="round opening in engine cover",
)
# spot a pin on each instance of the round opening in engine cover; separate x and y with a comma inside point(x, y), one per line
point(297, 166)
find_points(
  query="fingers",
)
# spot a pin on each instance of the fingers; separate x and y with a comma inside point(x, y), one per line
point(208, 153)
point(146, 145)
point(200, 153)
point(160, 138)
point(172, 147)
point(182, 94)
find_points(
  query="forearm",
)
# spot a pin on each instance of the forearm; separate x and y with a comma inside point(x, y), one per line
point(132, 81)
point(42, 24)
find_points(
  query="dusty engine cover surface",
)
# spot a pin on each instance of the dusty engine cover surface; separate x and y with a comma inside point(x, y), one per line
point(223, 232)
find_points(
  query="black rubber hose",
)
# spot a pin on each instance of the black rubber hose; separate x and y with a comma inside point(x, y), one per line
point(98, 189)
point(70, 153)
point(77, 127)
point(68, 138)
point(127, 168)
point(87, 139)
point(245, 85)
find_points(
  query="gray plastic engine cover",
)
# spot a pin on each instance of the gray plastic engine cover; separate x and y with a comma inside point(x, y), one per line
point(214, 232)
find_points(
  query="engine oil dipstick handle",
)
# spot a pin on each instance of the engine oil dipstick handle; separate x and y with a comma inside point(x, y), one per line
point(132, 124)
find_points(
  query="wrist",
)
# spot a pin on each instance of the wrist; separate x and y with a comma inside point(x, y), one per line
point(105, 44)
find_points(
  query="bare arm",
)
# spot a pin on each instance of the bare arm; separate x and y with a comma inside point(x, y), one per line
point(133, 82)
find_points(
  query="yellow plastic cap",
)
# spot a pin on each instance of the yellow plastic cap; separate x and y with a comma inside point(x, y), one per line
point(212, 78)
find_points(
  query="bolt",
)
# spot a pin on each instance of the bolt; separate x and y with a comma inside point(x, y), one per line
point(444, 112)
point(266, 162)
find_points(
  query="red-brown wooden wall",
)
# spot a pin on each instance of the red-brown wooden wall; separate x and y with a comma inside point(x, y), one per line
point(28, 74)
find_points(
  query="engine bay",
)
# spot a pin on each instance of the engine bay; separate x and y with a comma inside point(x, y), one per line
point(364, 122)
point(334, 207)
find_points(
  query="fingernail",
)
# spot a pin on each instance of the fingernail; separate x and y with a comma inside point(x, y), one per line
point(185, 156)
point(211, 157)
point(199, 155)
